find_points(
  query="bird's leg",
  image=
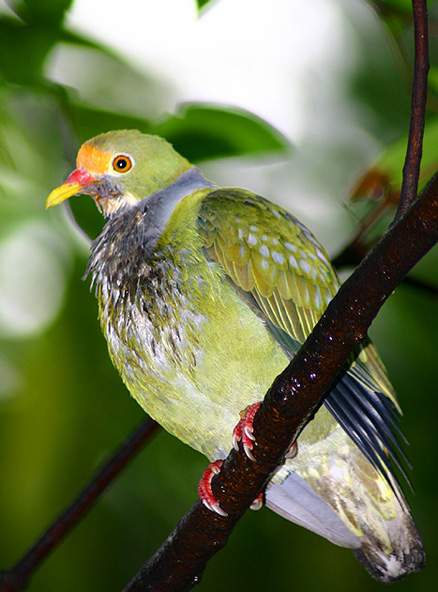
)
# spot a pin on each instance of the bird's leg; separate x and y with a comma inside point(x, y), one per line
point(207, 496)
point(205, 492)
point(244, 430)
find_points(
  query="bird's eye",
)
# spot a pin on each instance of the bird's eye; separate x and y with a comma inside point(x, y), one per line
point(122, 163)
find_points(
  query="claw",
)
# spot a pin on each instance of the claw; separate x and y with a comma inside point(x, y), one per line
point(259, 501)
point(204, 488)
point(248, 431)
point(292, 451)
point(244, 431)
point(248, 452)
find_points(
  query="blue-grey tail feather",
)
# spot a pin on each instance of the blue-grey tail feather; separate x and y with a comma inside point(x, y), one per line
point(368, 418)
point(296, 501)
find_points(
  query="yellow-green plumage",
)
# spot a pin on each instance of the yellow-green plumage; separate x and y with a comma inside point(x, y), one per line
point(204, 295)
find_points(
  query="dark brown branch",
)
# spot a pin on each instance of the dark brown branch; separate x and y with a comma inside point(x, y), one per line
point(352, 254)
point(17, 578)
point(411, 169)
point(293, 399)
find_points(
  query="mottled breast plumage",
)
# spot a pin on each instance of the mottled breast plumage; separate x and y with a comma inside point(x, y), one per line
point(146, 310)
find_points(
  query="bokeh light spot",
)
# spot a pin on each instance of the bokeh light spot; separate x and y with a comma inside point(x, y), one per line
point(32, 279)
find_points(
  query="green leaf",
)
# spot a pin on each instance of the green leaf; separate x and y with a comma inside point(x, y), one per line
point(26, 41)
point(23, 64)
point(202, 3)
point(396, 13)
point(76, 38)
point(46, 13)
point(433, 79)
point(201, 131)
point(401, 6)
point(89, 122)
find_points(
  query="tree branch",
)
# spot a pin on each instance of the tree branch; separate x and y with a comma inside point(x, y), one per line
point(18, 577)
point(293, 399)
point(353, 253)
point(411, 169)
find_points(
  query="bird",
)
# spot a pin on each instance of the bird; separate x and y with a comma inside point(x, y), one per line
point(205, 293)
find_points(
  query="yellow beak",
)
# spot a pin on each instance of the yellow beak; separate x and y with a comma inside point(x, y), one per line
point(74, 184)
point(62, 193)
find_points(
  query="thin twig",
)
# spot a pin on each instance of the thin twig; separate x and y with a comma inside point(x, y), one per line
point(411, 169)
point(17, 578)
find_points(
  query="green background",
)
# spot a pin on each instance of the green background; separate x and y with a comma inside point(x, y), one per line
point(63, 408)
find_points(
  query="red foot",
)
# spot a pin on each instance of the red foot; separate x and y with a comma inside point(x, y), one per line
point(207, 496)
point(244, 430)
point(204, 488)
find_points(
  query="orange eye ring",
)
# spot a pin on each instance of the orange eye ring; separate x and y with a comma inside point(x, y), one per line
point(122, 163)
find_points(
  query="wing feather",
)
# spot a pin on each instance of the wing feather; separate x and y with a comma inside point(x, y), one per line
point(272, 257)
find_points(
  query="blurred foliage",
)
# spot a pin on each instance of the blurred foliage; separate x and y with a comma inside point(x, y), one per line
point(203, 132)
point(395, 13)
point(385, 175)
point(389, 162)
point(201, 3)
point(62, 405)
point(382, 182)
point(198, 131)
point(44, 13)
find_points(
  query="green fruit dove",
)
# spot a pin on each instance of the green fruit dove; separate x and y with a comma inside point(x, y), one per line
point(205, 293)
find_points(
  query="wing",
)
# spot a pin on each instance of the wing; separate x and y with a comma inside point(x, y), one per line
point(279, 267)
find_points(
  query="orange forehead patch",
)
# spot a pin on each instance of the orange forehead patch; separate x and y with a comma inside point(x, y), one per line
point(92, 159)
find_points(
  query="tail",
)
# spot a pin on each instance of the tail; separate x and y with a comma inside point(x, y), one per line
point(345, 500)
point(405, 555)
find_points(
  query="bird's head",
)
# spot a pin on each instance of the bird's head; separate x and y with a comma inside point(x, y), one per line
point(120, 168)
